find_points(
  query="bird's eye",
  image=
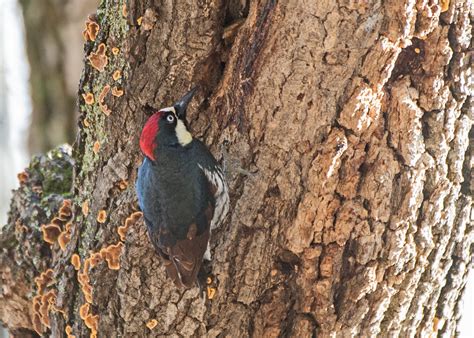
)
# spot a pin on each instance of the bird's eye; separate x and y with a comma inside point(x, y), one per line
point(170, 118)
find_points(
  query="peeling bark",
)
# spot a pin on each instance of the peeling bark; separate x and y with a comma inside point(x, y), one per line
point(353, 120)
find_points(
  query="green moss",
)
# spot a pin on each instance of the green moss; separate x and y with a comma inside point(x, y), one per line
point(37, 200)
point(53, 171)
point(59, 184)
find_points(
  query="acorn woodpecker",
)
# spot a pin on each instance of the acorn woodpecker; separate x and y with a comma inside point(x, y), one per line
point(181, 191)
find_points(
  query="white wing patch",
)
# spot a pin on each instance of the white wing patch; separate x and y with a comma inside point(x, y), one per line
point(221, 197)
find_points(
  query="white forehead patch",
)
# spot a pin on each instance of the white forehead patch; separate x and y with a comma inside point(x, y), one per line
point(171, 109)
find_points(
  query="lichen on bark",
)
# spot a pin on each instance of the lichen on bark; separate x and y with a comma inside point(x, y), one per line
point(44, 185)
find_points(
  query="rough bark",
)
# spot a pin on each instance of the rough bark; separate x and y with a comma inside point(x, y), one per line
point(353, 119)
point(44, 186)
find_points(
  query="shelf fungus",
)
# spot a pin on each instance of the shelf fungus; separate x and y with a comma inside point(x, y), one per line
point(65, 237)
point(84, 310)
point(130, 221)
point(37, 324)
point(444, 5)
point(22, 177)
point(117, 92)
point(102, 216)
point(57, 221)
point(50, 232)
point(152, 324)
point(91, 321)
point(98, 59)
point(117, 75)
point(85, 286)
point(68, 331)
point(42, 305)
point(76, 262)
point(85, 208)
point(123, 184)
point(88, 98)
point(87, 290)
point(96, 147)
point(84, 280)
point(104, 93)
point(65, 211)
point(47, 300)
point(112, 255)
point(91, 29)
point(95, 258)
point(53, 232)
point(124, 10)
point(211, 292)
point(44, 301)
point(103, 107)
point(44, 280)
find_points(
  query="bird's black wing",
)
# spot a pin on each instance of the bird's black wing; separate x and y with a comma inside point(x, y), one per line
point(182, 241)
point(187, 254)
point(184, 257)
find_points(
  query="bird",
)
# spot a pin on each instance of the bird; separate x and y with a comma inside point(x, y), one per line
point(181, 191)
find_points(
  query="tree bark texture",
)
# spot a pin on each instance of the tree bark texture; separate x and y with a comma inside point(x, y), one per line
point(353, 119)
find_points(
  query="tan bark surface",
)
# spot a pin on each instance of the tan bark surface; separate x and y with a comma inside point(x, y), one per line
point(353, 118)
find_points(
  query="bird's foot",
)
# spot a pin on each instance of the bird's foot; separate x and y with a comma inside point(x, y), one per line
point(211, 288)
point(207, 285)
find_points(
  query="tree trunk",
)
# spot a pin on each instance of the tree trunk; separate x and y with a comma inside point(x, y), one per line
point(353, 120)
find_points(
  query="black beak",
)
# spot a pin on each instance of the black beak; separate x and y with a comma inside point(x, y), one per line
point(182, 104)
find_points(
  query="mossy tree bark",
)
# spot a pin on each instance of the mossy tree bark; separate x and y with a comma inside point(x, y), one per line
point(354, 121)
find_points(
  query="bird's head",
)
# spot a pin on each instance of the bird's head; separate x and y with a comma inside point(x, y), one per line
point(167, 127)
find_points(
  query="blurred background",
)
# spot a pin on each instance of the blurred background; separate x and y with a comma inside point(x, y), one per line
point(41, 53)
point(41, 57)
point(40, 66)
